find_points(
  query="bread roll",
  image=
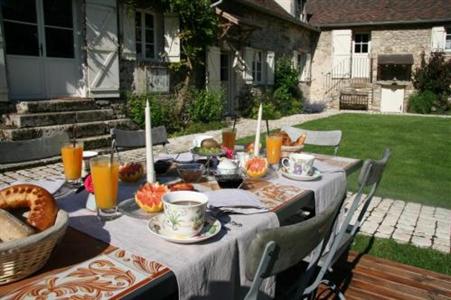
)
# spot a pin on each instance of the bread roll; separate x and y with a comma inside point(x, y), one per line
point(12, 228)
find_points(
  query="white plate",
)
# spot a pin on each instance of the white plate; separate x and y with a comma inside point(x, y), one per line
point(212, 227)
point(316, 175)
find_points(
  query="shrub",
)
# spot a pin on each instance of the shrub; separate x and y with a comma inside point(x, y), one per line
point(270, 110)
point(422, 102)
point(206, 106)
point(161, 112)
point(434, 75)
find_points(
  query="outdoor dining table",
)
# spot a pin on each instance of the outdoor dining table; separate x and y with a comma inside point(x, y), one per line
point(80, 257)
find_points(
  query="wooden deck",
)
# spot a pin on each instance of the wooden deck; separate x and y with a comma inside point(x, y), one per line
point(376, 278)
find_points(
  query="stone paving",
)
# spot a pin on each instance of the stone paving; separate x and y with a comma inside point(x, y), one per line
point(405, 222)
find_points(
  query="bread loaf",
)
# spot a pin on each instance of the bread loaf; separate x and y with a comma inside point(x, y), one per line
point(12, 228)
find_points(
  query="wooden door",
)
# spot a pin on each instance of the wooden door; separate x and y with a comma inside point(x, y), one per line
point(341, 49)
point(392, 99)
point(102, 46)
point(41, 48)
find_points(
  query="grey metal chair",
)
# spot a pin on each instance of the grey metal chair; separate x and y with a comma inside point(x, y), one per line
point(127, 139)
point(369, 179)
point(330, 138)
point(276, 250)
point(39, 148)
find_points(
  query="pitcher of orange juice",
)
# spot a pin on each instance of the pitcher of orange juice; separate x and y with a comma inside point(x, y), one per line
point(72, 156)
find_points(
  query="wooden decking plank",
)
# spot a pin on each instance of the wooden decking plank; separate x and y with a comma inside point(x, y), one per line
point(380, 289)
point(416, 283)
point(406, 268)
point(432, 280)
point(357, 293)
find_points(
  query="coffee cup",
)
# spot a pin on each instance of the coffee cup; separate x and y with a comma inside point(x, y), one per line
point(184, 213)
point(299, 164)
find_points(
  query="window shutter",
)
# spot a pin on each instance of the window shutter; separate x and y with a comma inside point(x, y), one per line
point(270, 59)
point(213, 68)
point(438, 38)
point(128, 32)
point(341, 46)
point(3, 84)
point(171, 38)
point(248, 55)
point(306, 67)
point(294, 59)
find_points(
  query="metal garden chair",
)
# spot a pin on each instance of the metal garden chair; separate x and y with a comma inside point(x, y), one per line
point(369, 179)
point(127, 139)
point(39, 148)
point(330, 138)
point(275, 250)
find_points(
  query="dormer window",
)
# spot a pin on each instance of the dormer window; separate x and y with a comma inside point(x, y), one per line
point(301, 10)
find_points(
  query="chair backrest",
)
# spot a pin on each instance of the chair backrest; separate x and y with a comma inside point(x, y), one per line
point(288, 244)
point(137, 138)
point(43, 147)
point(330, 138)
point(370, 176)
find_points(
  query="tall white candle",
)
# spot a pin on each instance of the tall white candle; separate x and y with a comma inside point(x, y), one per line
point(149, 151)
point(257, 134)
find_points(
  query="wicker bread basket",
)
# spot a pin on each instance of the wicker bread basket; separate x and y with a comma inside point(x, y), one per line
point(20, 258)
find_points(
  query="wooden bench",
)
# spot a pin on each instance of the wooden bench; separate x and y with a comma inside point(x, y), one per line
point(354, 101)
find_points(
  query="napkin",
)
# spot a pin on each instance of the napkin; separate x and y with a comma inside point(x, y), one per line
point(293, 133)
point(235, 201)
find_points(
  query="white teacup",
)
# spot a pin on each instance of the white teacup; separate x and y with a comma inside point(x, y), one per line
point(184, 213)
point(299, 163)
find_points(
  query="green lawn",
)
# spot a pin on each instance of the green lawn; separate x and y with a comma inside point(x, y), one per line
point(420, 167)
point(407, 254)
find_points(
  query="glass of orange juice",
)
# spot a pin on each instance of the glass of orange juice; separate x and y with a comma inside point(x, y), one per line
point(105, 177)
point(228, 138)
point(72, 156)
point(273, 150)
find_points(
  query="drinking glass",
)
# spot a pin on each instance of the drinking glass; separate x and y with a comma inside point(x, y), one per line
point(105, 177)
point(72, 156)
point(228, 138)
point(273, 149)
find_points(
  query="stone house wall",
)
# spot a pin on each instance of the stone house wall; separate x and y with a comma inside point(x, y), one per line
point(384, 40)
point(271, 34)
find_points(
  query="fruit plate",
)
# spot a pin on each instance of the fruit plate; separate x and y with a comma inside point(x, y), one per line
point(130, 208)
point(212, 227)
point(207, 152)
point(316, 175)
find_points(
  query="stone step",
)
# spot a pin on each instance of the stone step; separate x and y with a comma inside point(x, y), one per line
point(86, 129)
point(96, 142)
point(56, 118)
point(42, 106)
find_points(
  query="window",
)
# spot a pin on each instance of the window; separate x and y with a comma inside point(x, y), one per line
point(301, 10)
point(361, 42)
point(302, 65)
point(448, 39)
point(224, 72)
point(257, 67)
point(145, 35)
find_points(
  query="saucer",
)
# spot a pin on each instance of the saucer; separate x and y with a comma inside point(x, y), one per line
point(212, 227)
point(316, 175)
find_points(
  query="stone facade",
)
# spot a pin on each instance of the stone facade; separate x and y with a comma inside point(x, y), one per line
point(384, 40)
point(269, 33)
